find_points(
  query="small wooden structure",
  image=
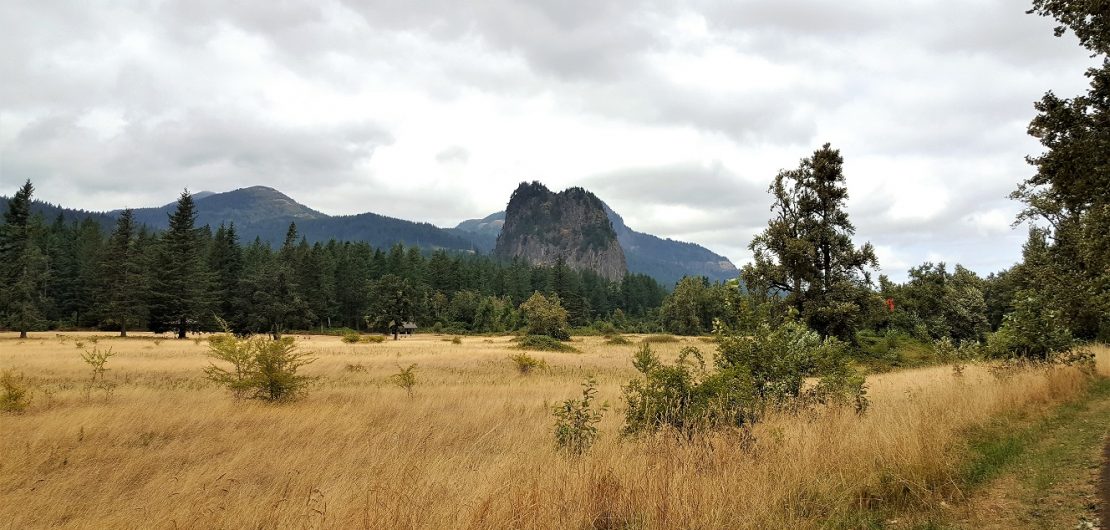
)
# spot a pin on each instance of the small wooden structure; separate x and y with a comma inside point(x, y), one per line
point(408, 328)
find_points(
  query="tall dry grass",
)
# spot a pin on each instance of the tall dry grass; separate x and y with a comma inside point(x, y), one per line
point(472, 448)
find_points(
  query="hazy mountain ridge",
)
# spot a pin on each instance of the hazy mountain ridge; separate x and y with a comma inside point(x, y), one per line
point(543, 227)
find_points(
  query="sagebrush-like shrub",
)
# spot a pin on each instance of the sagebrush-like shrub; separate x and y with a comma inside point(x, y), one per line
point(351, 337)
point(525, 363)
point(260, 368)
point(405, 378)
point(659, 338)
point(14, 396)
point(576, 421)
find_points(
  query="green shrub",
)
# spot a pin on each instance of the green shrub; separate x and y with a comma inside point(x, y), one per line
point(545, 316)
point(14, 396)
point(617, 340)
point(98, 361)
point(659, 338)
point(543, 343)
point(373, 339)
point(405, 378)
point(1032, 331)
point(260, 368)
point(683, 396)
point(352, 337)
point(525, 363)
point(576, 421)
point(766, 370)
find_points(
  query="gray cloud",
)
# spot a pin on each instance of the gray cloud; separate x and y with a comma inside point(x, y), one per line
point(125, 103)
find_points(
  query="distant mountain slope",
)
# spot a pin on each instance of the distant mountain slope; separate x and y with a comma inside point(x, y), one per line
point(264, 212)
point(666, 260)
point(543, 227)
point(245, 207)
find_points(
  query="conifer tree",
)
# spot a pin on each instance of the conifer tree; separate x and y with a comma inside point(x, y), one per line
point(123, 279)
point(807, 252)
point(180, 284)
point(23, 265)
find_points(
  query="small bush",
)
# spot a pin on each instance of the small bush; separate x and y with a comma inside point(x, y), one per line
point(14, 396)
point(456, 340)
point(543, 343)
point(373, 339)
point(260, 368)
point(617, 340)
point(405, 378)
point(525, 363)
point(360, 368)
point(659, 339)
point(98, 361)
point(351, 337)
point(576, 421)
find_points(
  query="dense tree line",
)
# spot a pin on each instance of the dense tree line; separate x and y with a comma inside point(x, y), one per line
point(70, 273)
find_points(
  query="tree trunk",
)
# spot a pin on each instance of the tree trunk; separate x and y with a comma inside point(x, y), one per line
point(123, 328)
point(181, 329)
point(22, 333)
point(395, 333)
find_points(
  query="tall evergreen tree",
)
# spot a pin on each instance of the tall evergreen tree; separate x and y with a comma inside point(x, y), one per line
point(23, 264)
point(123, 280)
point(180, 284)
point(807, 252)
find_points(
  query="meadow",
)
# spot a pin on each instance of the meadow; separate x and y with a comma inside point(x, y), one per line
point(472, 447)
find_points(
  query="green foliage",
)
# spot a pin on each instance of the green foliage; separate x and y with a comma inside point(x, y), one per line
point(693, 306)
point(944, 304)
point(684, 397)
point(752, 374)
point(617, 340)
point(1067, 259)
point(180, 274)
point(1031, 332)
point(957, 355)
point(543, 343)
point(393, 305)
point(97, 361)
point(261, 368)
point(526, 364)
point(351, 337)
point(373, 339)
point(23, 265)
point(545, 317)
point(405, 378)
point(807, 252)
point(14, 396)
point(576, 421)
point(659, 339)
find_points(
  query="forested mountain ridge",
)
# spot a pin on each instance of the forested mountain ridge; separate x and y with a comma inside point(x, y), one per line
point(266, 213)
point(545, 228)
point(666, 260)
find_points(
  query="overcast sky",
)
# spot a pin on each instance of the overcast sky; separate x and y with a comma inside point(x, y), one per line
point(676, 114)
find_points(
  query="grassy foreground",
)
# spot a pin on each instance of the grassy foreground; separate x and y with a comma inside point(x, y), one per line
point(472, 448)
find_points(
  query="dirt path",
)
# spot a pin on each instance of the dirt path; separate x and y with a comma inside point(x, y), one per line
point(1104, 487)
point(1059, 479)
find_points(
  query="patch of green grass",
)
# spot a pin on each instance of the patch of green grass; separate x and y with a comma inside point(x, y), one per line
point(659, 338)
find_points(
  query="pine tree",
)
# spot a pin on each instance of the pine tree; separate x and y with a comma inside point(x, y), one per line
point(806, 251)
point(123, 280)
point(23, 264)
point(180, 284)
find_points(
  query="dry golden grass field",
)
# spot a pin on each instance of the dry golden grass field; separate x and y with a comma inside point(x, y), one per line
point(472, 448)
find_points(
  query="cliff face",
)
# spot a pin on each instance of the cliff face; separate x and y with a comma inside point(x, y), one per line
point(542, 226)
